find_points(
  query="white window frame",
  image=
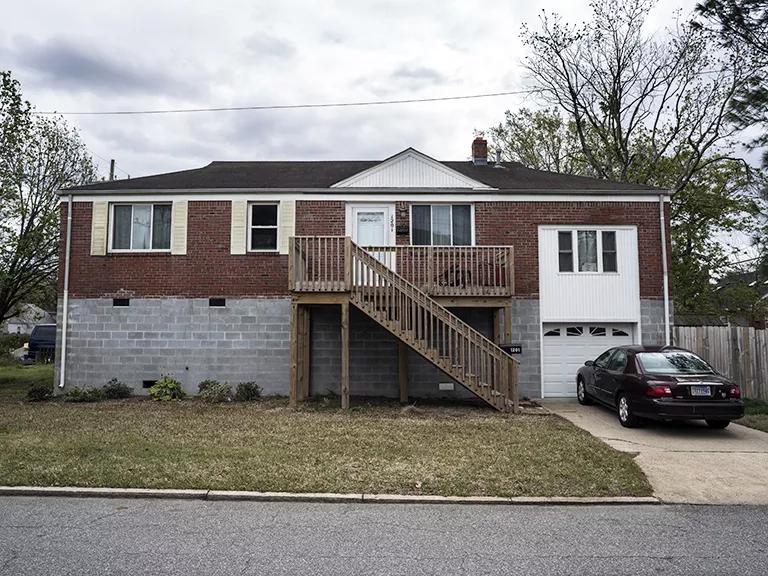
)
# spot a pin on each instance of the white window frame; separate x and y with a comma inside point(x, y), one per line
point(431, 225)
point(276, 227)
point(575, 249)
point(110, 228)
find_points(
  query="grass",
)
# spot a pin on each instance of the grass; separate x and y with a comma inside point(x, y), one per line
point(755, 415)
point(15, 379)
point(266, 446)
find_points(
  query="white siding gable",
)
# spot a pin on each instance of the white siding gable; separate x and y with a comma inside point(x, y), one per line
point(411, 169)
point(589, 296)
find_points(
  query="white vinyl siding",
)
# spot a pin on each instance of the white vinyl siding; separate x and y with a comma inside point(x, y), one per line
point(589, 296)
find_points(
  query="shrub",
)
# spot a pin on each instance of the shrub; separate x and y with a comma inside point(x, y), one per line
point(214, 391)
point(247, 391)
point(115, 390)
point(39, 392)
point(167, 388)
point(10, 342)
point(84, 395)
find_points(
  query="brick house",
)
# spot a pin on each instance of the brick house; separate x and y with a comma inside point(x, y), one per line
point(407, 277)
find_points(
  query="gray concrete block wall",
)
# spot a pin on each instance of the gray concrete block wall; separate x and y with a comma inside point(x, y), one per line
point(373, 354)
point(247, 340)
point(652, 321)
point(526, 330)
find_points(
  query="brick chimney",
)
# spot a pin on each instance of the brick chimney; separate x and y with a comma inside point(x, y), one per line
point(479, 151)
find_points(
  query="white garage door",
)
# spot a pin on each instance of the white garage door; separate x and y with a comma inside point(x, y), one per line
point(567, 346)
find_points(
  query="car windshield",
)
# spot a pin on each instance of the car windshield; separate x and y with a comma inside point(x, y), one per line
point(673, 362)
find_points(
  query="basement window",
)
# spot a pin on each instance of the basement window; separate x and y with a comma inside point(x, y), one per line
point(148, 383)
point(140, 227)
point(121, 302)
point(217, 302)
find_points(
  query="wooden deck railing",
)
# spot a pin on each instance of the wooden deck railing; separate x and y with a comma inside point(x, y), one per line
point(317, 264)
point(452, 270)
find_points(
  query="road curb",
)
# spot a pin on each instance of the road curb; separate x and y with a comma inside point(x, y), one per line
point(239, 495)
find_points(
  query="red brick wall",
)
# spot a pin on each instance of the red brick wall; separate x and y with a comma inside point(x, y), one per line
point(209, 269)
point(320, 218)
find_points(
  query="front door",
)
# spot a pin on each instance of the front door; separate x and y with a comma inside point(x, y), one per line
point(373, 226)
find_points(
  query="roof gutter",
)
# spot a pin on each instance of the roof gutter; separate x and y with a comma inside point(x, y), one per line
point(352, 191)
point(65, 297)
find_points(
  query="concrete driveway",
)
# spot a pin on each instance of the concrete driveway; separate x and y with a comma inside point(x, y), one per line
point(685, 462)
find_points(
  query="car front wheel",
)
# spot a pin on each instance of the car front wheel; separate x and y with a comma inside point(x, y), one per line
point(581, 392)
point(718, 424)
point(626, 416)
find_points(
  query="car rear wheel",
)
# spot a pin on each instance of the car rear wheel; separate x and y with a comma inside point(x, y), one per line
point(718, 424)
point(581, 392)
point(626, 416)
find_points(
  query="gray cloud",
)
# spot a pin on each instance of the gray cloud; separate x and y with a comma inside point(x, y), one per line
point(415, 77)
point(65, 64)
point(266, 46)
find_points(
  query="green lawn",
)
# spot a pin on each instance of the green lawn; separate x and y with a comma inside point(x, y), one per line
point(15, 380)
point(266, 446)
point(756, 415)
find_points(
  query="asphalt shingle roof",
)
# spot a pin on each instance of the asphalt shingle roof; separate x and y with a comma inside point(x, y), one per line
point(323, 174)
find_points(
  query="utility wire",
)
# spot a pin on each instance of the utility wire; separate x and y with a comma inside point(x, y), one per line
point(107, 161)
point(284, 106)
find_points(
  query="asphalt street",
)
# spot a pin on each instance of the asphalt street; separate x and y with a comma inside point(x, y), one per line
point(62, 536)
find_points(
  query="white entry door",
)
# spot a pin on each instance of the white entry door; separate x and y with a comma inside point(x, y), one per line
point(566, 347)
point(373, 225)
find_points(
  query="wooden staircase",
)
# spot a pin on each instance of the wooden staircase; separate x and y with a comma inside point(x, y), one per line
point(450, 344)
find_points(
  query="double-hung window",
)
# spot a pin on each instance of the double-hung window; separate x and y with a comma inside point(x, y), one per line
point(441, 225)
point(262, 226)
point(587, 251)
point(141, 227)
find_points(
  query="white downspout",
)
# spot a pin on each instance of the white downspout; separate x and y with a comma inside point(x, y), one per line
point(664, 269)
point(65, 304)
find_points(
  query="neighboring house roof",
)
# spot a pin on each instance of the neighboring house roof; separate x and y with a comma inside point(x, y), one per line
point(30, 315)
point(290, 175)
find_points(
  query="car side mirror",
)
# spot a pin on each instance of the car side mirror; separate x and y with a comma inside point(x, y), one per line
point(589, 363)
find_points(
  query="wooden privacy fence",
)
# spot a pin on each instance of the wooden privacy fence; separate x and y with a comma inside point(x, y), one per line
point(739, 352)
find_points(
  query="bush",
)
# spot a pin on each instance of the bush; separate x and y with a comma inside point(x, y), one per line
point(10, 342)
point(247, 391)
point(84, 395)
point(214, 391)
point(167, 388)
point(115, 390)
point(39, 392)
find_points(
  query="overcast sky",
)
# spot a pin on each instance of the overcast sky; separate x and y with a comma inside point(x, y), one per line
point(142, 54)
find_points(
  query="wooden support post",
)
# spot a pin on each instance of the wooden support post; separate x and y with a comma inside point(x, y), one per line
point(306, 353)
point(294, 388)
point(515, 392)
point(345, 355)
point(497, 326)
point(402, 362)
point(508, 324)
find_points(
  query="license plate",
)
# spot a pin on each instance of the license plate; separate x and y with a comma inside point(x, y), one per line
point(701, 391)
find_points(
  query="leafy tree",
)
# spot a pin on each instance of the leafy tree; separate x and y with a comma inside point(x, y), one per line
point(38, 156)
point(742, 25)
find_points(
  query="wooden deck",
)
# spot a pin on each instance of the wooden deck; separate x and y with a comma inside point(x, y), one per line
point(450, 272)
point(399, 288)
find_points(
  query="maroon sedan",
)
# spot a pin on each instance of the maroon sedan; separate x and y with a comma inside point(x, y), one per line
point(661, 383)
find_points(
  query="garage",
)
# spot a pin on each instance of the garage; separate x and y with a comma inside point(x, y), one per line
point(565, 347)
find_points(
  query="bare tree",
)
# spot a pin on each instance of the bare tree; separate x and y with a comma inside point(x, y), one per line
point(636, 98)
point(38, 156)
